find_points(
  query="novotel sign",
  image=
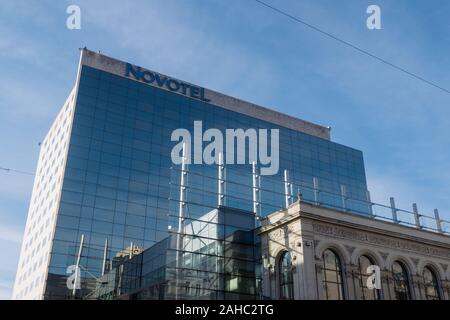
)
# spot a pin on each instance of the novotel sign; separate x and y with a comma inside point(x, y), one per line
point(162, 81)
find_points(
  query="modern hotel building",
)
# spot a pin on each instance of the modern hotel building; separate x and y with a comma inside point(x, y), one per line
point(111, 216)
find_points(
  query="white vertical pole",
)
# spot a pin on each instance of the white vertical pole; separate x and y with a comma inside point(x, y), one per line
point(344, 197)
point(77, 267)
point(438, 220)
point(105, 252)
point(291, 185)
point(181, 217)
point(287, 189)
point(394, 210)
point(131, 250)
point(316, 190)
point(221, 181)
point(416, 215)
point(369, 203)
point(119, 286)
point(256, 191)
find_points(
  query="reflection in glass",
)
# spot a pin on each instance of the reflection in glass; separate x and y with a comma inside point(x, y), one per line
point(364, 292)
point(120, 184)
point(286, 279)
point(332, 276)
point(401, 281)
point(431, 284)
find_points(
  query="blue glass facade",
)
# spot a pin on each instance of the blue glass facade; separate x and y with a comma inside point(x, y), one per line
point(120, 184)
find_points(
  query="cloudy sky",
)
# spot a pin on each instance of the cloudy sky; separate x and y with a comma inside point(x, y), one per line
point(245, 50)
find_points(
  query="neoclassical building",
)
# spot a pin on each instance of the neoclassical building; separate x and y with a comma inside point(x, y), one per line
point(313, 252)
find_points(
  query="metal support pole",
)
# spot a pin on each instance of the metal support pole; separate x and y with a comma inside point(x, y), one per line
point(221, 181)
point(77, 266)
point(394, 210)
point(105, 253)
point(287, 189)
point(438, 220)
point(416, 215)
point(316, 190)
point(291, 185)
point(256, 192)
point(344, 197)
point(369, 203)
point(131, 250)
point(181, 217)
point(119, 283)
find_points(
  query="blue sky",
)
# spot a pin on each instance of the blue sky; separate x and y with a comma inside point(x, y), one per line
point(245, 50)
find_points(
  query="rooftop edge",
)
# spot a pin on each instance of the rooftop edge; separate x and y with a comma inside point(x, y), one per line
point(118, 67)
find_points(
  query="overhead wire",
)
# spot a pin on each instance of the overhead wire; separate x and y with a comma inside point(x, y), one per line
point(353, 46)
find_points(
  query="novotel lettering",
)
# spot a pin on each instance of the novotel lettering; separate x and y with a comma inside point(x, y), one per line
point(164, 81)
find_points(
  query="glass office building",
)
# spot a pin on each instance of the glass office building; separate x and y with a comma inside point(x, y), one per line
point(220, 259)
point(107, 195)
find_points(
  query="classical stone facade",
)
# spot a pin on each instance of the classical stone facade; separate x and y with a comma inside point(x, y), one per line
point(414, 263)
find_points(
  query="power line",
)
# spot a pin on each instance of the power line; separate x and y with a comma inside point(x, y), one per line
point(16, 171)
point(365, 52)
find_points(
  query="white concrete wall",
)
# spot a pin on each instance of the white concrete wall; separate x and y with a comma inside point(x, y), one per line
point(34, 258)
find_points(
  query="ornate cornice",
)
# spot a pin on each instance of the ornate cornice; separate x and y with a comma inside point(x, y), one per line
point(347, 233)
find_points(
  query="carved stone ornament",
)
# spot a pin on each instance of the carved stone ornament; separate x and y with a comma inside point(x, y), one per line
point(383, 255)
point(350, 249)
point(277, 234)
point(346, 233)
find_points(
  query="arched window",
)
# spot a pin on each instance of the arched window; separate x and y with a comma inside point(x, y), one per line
point(431, 284)
point(332, 276)
point(401, 281)
point(286, 279)
point(364, 292)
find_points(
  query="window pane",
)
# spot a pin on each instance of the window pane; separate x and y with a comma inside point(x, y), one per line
point(401, 281)
point(431, 285)
point(332, 281)
point(285, 276)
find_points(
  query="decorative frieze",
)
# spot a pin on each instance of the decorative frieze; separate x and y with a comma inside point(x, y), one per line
point(350, 234)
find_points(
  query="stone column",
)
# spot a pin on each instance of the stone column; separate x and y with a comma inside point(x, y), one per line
point(384, 292)
point(387, 284)
point(417, 287)
point(320, 293)
point(304, 273)
point(298, 269)
point(445, 290)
